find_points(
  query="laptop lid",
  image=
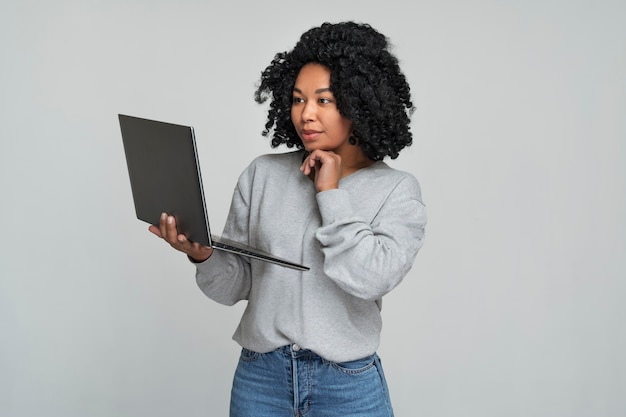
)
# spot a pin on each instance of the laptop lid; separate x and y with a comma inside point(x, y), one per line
point(164, 173)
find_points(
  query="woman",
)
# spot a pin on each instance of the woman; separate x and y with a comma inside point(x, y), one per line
point(309, 339)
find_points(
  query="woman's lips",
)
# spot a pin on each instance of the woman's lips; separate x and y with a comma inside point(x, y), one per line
point(310, 134)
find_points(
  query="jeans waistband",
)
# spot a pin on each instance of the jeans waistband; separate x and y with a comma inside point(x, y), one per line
point(296, 351)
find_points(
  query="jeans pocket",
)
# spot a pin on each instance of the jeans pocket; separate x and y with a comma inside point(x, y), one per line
point(248, 355)
point(355, 367)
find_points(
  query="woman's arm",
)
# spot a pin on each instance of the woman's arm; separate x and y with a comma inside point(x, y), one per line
point(369, 257)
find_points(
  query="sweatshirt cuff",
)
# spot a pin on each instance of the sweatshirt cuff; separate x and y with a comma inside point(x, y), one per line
point(334, 205)
point(193, 261)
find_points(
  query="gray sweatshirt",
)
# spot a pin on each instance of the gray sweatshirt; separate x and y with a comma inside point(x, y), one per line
point(359, 240)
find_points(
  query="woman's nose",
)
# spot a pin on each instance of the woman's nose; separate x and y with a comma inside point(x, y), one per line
point(308, 112)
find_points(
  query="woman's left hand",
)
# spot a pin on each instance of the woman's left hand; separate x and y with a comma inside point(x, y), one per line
point(325, 167)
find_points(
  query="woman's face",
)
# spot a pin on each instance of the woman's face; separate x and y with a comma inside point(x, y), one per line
point(314, 112)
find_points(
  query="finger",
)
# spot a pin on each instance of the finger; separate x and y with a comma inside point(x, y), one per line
point(167, 228)
point(163, 225)
point(170, 230)
point(315, 158)
point(196, 251)
point(305, 168)
point(319, 157)
point(155, 230)
point(177, 240)
point(183, 244)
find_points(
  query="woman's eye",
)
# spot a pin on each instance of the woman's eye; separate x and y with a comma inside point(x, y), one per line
point(325, 100)
point(297, 100)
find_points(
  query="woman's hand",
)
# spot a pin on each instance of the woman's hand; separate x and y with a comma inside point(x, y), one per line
point(167, 231)
point(325, 167)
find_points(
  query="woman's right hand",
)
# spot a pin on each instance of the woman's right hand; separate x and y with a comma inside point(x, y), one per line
point(167, 231)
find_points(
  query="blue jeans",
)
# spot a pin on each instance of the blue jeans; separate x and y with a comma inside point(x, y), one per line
point(293, 382)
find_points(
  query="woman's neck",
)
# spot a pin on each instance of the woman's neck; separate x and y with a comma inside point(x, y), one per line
point(353, 160)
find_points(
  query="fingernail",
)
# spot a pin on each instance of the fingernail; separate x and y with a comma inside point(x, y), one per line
point(170, 220)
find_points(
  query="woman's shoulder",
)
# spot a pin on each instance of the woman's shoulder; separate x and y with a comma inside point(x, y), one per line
point(380, 179)
point(278, 159)
point(382, 173)
point(272, 164)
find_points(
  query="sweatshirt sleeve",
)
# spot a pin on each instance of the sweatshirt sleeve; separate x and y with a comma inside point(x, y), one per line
point(226, 277)
point(367, 257)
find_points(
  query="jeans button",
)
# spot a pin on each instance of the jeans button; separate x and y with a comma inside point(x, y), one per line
point(295, 347)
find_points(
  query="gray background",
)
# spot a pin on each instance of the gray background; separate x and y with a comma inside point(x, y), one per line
point(515, 306)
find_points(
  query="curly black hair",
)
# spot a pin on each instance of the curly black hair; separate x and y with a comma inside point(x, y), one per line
point(365, 78)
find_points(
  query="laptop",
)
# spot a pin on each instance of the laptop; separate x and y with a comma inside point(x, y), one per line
point(164, 173)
